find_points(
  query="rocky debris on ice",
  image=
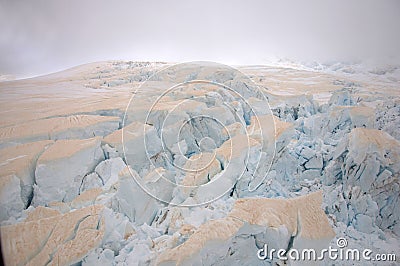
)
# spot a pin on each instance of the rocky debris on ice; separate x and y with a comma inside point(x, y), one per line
point(70, 127)
point(61, 168)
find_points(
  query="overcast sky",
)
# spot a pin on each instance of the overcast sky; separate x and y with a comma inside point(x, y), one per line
point(38, 36)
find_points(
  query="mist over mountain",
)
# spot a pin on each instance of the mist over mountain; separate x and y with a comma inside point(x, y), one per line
point(43, 36)
point(199, 132)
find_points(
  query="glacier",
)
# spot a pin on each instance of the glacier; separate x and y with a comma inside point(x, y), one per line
point(197, 164)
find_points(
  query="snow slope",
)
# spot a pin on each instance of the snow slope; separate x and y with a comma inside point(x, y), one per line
point(203, 166)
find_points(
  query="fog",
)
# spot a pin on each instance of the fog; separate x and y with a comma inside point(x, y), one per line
point(38, 37)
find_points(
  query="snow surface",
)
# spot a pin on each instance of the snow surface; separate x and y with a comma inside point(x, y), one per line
point(197, 174)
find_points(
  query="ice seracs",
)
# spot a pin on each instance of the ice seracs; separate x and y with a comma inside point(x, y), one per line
point(17, 174)
point(108, 171)
point(195, 174)
point(301, 218)
point(368, 163)
point(131, 199)
point(11, 202)
point(137, 143)
point(61, 168)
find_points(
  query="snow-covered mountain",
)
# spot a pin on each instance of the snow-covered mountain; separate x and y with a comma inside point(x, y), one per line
point(135, 163)
point(385, 72)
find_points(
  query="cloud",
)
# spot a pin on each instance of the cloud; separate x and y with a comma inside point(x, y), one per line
point(45, 36)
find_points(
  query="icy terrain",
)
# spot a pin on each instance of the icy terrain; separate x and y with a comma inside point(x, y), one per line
point(126, 163)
